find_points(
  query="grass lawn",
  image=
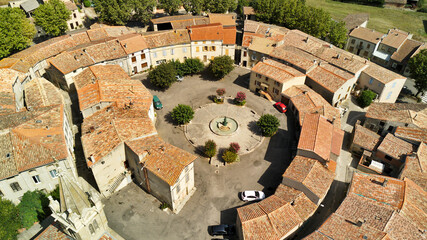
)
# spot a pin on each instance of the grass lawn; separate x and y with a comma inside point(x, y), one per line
point(380, 19)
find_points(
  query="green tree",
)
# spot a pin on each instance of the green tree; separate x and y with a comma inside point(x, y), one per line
point(170, 6)
point(220, 6)
point(221, 66)
point(337, 34)
point(182, 114)
point(163, 76)
point(241, 4)
point(16, 31)
point(193, 66)
point(52, 17)
point(142, 10)
point(10, 221)
point(418, 69)
point(210, 148)
point(30, 208)
point(230, 156)
point(366, 97)
point(269, 124)
point(193, 6)
point(179, 67)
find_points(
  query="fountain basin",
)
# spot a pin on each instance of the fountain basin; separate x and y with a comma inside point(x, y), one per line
point(223, 128)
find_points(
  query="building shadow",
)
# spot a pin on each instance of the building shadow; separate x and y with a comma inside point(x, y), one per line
point(242, 80)
point(44, 224)
point(353, 116)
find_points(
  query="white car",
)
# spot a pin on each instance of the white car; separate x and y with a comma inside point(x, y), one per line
point(252, 195)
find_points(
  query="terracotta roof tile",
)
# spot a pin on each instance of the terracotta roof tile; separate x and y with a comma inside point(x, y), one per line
point(310, 173)
point(229, 35)
point(40, 92)
point(7, 96)
point(109, 127)
point(224, 19)
point(132, 43)
point(175, 18)
point(355, 20)
point(212, 31)
point(70, 5)
point(110, 83)
point(412, 134)
point(365, 138)
point(183, 24)
point(247, 38)
point(382, 74)
point(410, 113)
point(366, 34)
point(329, 77)
point(166, 38)
point(248, 11)
point(53, 231)
point(395, 38)
point(295, 56)
point(276, 71)
point(7, 158)
point(407, 50)
point(381, 189)
point(401, 228)
point(298, 200)
point(416, 167)
point(163, 159)
point(307, 101)
point(395, 147)
point(415, 204)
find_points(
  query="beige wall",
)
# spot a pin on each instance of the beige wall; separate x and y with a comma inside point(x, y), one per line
point(109, 168)
point(366, 48)
point(94, 108)
point(139, 61)
point(76, 20)
point(244, 58)
point(229, 50)
point(186, 188)
point(343, 92)
point(176, 52)
point(26, 182)
point(391, 91)
point(204, 50)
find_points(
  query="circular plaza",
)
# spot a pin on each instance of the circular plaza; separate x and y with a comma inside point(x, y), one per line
point(225, 123)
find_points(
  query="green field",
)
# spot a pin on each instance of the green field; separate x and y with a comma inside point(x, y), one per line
point(380, 19)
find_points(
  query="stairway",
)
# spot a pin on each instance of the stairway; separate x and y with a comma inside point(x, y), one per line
point(267, 95)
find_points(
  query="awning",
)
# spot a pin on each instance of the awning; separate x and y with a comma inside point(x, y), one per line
point(264, 85)
point(382, 55)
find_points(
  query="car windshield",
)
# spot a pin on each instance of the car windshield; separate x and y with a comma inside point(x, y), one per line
point(257, 194)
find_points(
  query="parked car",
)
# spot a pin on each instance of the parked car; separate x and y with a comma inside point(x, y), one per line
point(179, 78)
point(222, 229)
point(280, 106)
point(156, 102)
point(252, 195)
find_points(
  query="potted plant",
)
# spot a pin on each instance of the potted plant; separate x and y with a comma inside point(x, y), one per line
point(240, 99)
point(220, 97)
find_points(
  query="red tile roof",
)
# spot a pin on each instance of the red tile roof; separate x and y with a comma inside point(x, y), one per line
point(224, 19)
point(317, 135)
point(382, 74)
point(277, 71)
point(410, 113)
point(365, 138)
point(416, 167)
point(40, 92)
point(206, 32)
point(412, 134)
point(229, 35)
point(395, 147)
point(166, 38)
point(162, 159)
point(300, 202)
point(395, 38)
point(310, 173)
point(329, 77)
point(54, 231)
point(248, 11)
point(132, 43)
point(366, 34)
point(7, 96)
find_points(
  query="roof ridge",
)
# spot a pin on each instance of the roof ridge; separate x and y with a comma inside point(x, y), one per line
point(268, 218)
point(281, 69)
point(331, 71)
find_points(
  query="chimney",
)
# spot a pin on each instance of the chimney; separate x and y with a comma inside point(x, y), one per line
point(384, 184)
point(360, 222)
point(126, 45)
point(91, 158)
point(84, 49)
point(338, 56)
point(92, 129)
point(306, 40)
point(330, 45)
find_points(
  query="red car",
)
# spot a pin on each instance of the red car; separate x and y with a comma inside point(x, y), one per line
point(280, 106)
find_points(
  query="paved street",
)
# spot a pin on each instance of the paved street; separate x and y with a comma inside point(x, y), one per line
point(136, 215)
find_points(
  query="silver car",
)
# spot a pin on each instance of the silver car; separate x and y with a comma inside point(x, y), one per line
point(252, 195)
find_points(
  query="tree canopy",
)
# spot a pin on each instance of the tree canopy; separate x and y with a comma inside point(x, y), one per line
point(210, 148)
point(366, 97)
point(119, 12)
point(170, 6)
point(418, 68)
point(221, 66)
point(182, 114)
point(163, 76)
point(193, 6)
point(29, 208)
point(269, 124)
point(52, 17)
point(294, 14)
point(16, 31)
point(10, 221)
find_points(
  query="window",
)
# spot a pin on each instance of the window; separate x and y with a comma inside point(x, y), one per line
point(351, 49)
point(184, 49)
point(178, 188)
point(92, 231)
point(389, 95)
point(172, 51)
point(277, 84)
point(204, 42)
point(226, 52)
point(144, 65)
point(353, 41)
point(371, 80)
point(390, 129)
point(213, 48)
point(212, 57)
point(74, 14)
point(266, 79)
point(133, 59)
point(212, 41)
point(1, 194)
point(245, 54)
point(382, 123)
point(95, 224)
point(258, 75)
point(36, 179)
point(257, 83)
point(365, 53)
point(15, 187)
point(197, 49)
point(348, 89)
point(205, 58)
point(53, 173)
point(253, 57)
point(143, 56)
point(154, 54)
point(368, 46)
point(205, 48)
point(388, 157)
point(164, 53)
point(187, 178)
point(276, 91)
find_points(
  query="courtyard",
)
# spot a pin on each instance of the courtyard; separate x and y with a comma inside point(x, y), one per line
point(134, 214)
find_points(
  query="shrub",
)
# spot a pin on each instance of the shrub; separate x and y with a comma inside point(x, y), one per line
point(269, 124)
point(230, 156)
point(221, 66)
point(193, 66)
point(234, 147)
point(366, 97)
point(86, 3)
point(220, 91)
point(182, 114)
point(164, 206)
point(163, 76)
point(423, 9)
point(210, 148)
point(242, 103)
point(240, 96)
point(179, 67)
point(31, 208)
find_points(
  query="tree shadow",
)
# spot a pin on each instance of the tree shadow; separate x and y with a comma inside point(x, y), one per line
point(253, 127)
point(146, 82)
point(242, 80)
point(168, 118)
point(207, 75)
